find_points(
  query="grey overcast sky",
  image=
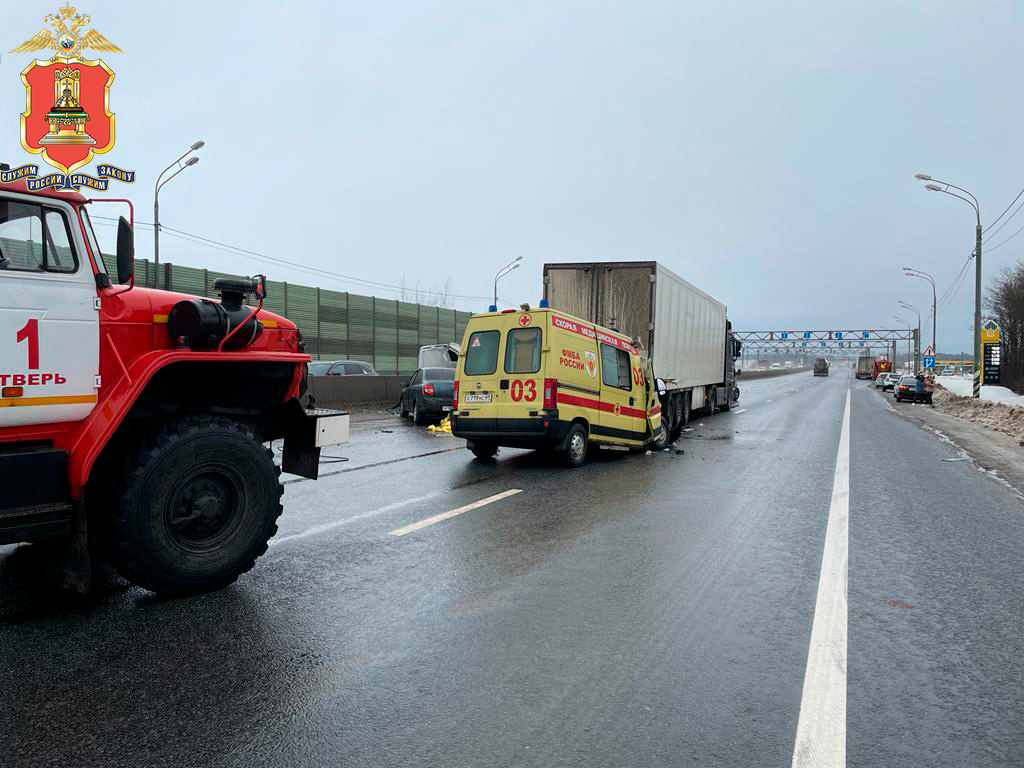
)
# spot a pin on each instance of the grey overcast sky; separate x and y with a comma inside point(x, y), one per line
point(765, 151)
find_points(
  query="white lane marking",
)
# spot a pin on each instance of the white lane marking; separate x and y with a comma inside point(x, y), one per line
point(769, 401)
point(317, 529)
point(741, 410)
point(821, 729)
point(446, 515)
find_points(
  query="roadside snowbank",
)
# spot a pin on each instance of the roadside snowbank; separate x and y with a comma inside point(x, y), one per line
point(998, 416)
point(963, 387)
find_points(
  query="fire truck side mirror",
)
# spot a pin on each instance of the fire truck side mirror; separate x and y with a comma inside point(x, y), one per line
point(125, 251)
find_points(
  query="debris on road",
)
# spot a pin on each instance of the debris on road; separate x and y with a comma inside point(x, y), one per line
point(444, 426)
point(680, 452)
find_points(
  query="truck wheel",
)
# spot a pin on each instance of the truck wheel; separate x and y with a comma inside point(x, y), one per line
point(575, 452)
point(484, 450)
point(417, 416)
point(199, 500)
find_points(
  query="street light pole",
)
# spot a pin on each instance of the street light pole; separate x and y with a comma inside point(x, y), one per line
point(514, 264)
point(156, 193)
point(910, 272)
point(910, 329)
point(917, 339)
point(944, 186)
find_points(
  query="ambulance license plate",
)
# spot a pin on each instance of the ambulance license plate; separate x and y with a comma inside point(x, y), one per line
point(477, 397)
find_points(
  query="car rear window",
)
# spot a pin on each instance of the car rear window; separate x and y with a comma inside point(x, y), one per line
point(482, 353)
point(522, 350)
point(908, 380)
point(439, 374)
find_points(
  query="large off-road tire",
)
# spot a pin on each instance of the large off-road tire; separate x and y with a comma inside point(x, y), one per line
point(575, 452)
point(197, 503)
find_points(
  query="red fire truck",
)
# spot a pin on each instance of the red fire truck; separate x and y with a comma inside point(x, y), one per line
point(137, 419)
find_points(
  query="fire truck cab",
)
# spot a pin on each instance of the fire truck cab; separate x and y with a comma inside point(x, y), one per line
point(136, 419)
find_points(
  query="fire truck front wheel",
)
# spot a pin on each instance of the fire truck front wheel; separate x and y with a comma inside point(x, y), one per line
point(199, 501)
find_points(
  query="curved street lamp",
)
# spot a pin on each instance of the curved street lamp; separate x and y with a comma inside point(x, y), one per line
point(156, 192)
point(936, 185)
point(917, 312)
point(514, 264)
point(911, 272)
point(910, 328)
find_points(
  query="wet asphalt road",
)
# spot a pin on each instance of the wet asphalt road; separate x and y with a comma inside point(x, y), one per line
point(640, 611)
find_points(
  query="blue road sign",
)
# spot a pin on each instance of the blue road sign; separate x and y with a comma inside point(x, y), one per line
point(807, 334)
point(929, 362)
point(839, 334)
point(784, 335)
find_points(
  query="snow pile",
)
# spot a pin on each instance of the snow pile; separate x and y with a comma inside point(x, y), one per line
point(964, 388)
point(998, 416)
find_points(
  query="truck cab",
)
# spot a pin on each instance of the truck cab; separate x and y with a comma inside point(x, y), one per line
point(543, 379)
point(135, 417)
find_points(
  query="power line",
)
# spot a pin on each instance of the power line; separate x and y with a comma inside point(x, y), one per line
point(1004, 242)
point(954, 288)
point(314, 271)
point(1008, 219)
point(1004, 212)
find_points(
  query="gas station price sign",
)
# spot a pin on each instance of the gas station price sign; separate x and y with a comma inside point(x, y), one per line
point(991, 355)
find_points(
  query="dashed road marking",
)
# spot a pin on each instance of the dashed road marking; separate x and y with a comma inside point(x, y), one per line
point(317, 529)
point(821, 729)
point(453, 513)
point(741, 410)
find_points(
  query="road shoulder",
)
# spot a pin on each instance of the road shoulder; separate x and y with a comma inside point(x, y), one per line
point(991, 451)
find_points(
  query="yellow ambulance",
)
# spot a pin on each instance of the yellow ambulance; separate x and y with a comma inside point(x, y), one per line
point(542, 379)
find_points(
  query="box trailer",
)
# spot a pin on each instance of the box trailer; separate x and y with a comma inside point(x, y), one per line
point(685, 331)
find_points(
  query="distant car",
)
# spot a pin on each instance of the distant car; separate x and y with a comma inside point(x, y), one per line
point(775, 367)
point(880, 379)
point(341, 368)
point(906, 389)
point(429, 392)
point(889, 381)
point(948, 371)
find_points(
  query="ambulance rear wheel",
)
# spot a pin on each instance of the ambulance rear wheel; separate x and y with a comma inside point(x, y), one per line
point(575, 451)
point(197, 503)
point(484, 450)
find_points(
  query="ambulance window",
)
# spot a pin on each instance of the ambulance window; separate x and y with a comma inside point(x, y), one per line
point(615, 371)
point(522, 350)
point(482, 353)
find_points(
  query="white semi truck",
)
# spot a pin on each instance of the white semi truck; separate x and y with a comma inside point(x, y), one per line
point(684, 330)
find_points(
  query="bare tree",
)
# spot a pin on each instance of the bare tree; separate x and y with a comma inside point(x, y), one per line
point(443, 296)
point(436, 296)
point(1005, 302)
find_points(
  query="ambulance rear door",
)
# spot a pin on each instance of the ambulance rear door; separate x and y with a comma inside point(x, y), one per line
point(521, 386)
point(479, 394)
